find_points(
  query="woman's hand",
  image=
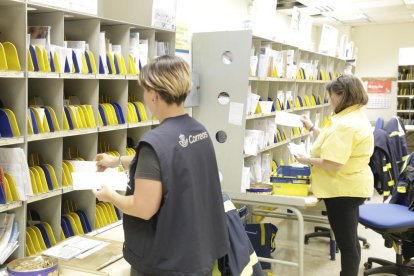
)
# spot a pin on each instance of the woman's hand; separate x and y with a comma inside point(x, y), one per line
point(303, 159)
point(307, 123)
point(105, 161)
point(104, 194)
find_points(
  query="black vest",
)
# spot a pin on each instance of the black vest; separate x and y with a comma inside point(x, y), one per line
point(188, 232)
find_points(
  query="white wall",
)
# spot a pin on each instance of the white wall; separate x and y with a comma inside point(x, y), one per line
point(219, 15)
point(378, 48)
point(213, 15)
point(378, 56)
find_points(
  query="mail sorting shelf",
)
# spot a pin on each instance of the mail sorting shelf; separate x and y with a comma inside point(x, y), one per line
point(295, 204)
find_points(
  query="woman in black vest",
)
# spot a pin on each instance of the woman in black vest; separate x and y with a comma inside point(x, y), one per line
point(173, 211)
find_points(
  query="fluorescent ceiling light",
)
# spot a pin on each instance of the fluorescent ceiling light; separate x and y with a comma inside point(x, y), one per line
point(31, 9)
point(409, 2)
point(326, 8)
point(68, 16)
point(350, 16)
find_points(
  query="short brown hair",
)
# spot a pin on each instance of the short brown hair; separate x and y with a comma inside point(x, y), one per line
point(170, 76)
point(352, 90)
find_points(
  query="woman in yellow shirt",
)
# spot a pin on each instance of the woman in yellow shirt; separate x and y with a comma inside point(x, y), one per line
point(339, 161)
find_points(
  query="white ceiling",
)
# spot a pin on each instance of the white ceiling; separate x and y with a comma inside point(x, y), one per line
point(351, 12)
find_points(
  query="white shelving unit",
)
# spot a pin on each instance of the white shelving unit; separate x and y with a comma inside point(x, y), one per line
point(233, 78)
point(17, 88)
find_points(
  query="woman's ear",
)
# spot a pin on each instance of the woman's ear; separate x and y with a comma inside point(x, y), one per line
point(156, 95)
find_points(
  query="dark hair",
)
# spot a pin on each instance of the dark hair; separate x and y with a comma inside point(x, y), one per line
point(352, 90)
point(170, 76)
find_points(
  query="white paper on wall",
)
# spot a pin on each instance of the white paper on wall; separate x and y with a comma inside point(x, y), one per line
point(236, 113)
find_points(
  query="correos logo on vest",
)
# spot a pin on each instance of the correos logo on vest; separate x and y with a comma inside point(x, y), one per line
point(183, 141)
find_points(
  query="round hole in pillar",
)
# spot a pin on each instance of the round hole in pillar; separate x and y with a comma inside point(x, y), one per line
point(221, 136)
point(227, 57)
point(223, 98)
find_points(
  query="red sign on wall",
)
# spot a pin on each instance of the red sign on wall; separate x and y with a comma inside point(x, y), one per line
point(379, 86)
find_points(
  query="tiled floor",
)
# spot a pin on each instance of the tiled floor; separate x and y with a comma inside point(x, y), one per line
point(317, 258)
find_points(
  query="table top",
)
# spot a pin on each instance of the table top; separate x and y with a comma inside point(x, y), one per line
point(119, 268)
point(280, 200)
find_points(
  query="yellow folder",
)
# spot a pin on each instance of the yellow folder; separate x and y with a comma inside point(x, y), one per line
point(49, 233)
point(39, 237)
point(93, 64)
point(34, 239)
point(12, 58)
point(30, 66)
point(30, 248)
point(56, 63)
point(84, 69)
point(13, 122)
point(46, 60)
point(131, 65)
point(111, 62)
point(40, 60)
point(3, 60)
point(12, 186)
point(53, 177)
point(37, 181)
point(54, 118)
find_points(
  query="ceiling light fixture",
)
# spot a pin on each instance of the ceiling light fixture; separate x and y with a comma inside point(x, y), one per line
point(350, 16)
point(325, 8)
point(31, 9)
point(409, 2)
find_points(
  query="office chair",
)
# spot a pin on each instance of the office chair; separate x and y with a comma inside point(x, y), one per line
point(396, 224)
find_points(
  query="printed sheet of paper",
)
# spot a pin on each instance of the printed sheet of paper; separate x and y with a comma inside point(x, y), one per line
point(296, 149)
point(72, 247)
point(85, 177)
point(236, 113)
point(288, 119)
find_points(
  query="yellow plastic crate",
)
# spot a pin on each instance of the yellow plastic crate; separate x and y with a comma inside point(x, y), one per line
point(291, 189)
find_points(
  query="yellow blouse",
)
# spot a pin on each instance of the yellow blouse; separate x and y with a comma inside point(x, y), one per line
point(348, 139)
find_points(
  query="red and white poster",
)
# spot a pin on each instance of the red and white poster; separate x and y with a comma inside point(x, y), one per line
point(379, 93)
point(379, 86)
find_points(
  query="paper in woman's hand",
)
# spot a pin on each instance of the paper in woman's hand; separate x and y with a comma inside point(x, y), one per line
point(297, 149)
point(85, 177)
point(288, 119)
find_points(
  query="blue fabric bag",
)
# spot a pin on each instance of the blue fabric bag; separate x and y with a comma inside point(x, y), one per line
point(262, 237)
